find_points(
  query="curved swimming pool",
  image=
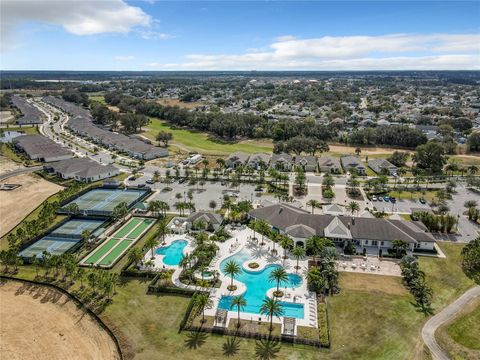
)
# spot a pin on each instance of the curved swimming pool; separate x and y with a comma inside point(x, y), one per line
point(257, 284)
point(173, 253)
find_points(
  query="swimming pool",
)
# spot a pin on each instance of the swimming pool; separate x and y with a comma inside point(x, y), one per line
point(257, 284)
point(173, 252)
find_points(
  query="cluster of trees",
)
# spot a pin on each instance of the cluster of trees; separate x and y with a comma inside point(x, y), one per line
point(300, 181)
point(158, 207)
point(430, 157)
point(473, 141)
point(434, 222)
point(301, 144)
point(398, 158)
point(414, 279)
point(323, 275)
point(120, 211)
point(472, 212)
point(471, 260)
point(394, 135)
point(75, 96)
point(164, 137)
point(327, 187)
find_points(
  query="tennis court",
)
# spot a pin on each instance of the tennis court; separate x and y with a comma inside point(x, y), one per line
point(103, 201)
point(63, 238)
point(111, 250)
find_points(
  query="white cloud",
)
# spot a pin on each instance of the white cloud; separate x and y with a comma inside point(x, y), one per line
point(124, 57)
point(75, 16)
point(392, 51)
point(154, 35)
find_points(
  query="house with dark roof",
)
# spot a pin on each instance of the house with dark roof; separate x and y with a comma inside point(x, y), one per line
point(306, 162)
point(29, 114)
point(259, 161)
point(371, 234)
point(381, 166)
point(281, 162)
point(329, 164)
point(210, 219)
point(82, 169)
point(350, 162)
point(236, 160)
point(41, 148)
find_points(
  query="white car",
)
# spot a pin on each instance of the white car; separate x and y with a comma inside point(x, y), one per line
point(374, 198)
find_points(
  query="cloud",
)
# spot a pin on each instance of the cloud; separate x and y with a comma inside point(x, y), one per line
point(154, 35)
point(384, 52)
point(124, 57)
point(75, 16)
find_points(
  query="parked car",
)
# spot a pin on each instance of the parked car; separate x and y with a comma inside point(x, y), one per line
point(141, 185)
point(131, 178)
point(182, 180)
point(380, 198)
point(393, 200)
point(150, 181)
point(374, 198)
point(386, 198)
point(422, 201)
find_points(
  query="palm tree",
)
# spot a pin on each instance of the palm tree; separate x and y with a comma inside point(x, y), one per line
point(353, 207)
point(152, 243)
point(203, 301)
point(232, 268)
point(473, 169)
point(286, 243)
point(240, 303)
point(262, 227)
point(314, 204)
point(162, 230)
point(278, 275)
point(135, 255)
point(271, 308)
point(298, 252)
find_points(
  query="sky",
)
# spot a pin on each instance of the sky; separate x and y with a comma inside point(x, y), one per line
point(239, 35)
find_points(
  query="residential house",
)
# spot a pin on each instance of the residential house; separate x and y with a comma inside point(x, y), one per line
point(281, 162)
point(259, 161)
point(236, 160)
point(382, 166)
point(350, 162)
point(82, 169)
point(329, 164)
point(41, 148)
point(306, 162)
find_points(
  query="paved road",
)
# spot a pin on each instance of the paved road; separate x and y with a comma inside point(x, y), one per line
point(428, 331)
point(19, 171)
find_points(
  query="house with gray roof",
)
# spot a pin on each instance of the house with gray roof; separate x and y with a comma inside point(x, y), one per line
point(259, 161)
point(211, 220)
point(329, 164)
point(29, 114)
point(281, 162)
point(306, 162)
point(381, 166)
point(82, 169)
point(41, 148)
point(373, 234)
point(236, 160)
point(350, 162)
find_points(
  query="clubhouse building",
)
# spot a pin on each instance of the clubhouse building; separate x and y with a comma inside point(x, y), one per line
point(370, 233)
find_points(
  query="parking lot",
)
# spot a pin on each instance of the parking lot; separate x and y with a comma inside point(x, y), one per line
point(203, 195)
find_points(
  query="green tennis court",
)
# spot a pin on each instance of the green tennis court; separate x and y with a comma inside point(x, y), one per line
point(111, 250)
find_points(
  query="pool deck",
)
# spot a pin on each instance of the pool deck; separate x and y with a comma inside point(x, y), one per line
point(242, 239)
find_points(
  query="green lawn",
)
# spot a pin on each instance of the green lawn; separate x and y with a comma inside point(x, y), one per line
point(199, 142)
point(466, 329)
point(98, 97)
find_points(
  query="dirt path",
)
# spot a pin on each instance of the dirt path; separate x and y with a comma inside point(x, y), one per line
point(37, 322)
point(428, 331)
point(18, 203)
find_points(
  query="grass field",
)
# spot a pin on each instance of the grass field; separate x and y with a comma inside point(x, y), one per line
point(459, 337)
point(187, 140)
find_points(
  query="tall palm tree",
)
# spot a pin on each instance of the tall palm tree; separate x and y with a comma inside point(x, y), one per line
point(263, 228)
point(203, 301)
point(278, 275)
point(298, 252)
point(232, 269)
point(239, 302)
point(473, 169)
point(271, 308)
point(286, 243)
point(152, 243)
point(162, 230)
point(314, 204)
point(135, 255)
point(353, 207)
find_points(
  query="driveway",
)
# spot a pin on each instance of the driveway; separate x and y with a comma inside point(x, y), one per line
point(428, 331)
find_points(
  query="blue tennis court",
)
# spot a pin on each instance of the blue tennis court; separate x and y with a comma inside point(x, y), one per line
point(101, 201)
point(63, 238)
